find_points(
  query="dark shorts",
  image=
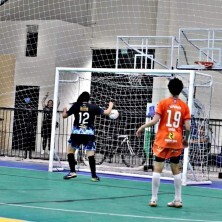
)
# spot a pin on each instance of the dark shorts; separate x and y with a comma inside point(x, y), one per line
point(174, 160)
point(88, 141)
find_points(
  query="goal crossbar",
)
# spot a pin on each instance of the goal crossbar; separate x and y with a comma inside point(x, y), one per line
point(121, 71)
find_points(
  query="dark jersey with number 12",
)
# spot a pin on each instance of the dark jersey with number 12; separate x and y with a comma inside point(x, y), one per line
point(84, 114)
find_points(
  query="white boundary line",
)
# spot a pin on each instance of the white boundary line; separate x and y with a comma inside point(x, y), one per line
point(107, 214)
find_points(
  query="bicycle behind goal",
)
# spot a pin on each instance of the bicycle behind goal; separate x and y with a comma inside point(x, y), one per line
point(121, 153)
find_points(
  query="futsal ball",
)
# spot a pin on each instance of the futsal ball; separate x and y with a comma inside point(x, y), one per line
point(114, 114)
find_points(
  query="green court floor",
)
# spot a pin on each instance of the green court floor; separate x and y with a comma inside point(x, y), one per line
point(31, 195)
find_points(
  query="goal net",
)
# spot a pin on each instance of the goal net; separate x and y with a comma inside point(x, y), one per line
point(38, 36)
point(118, 149)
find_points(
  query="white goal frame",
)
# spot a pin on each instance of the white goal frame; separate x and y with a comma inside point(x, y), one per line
point(153, 72)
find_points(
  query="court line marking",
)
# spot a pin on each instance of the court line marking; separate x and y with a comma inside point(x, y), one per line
point(4, 219)
point(107, 214)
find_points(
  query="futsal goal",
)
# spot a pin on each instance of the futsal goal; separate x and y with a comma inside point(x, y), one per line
point(118, 149)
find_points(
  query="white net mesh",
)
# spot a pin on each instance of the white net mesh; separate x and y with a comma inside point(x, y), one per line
point(118, 149)
point(37, 36)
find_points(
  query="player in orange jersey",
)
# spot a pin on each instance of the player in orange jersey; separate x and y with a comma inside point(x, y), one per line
point(172, 114)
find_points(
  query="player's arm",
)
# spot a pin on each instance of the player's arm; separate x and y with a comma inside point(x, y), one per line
point(65, 113)
point(155, 119)
point(109, 109)
point(44, 99)
point(187, 132)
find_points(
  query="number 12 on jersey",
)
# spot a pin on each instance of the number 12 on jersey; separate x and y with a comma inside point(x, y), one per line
point(83, 118)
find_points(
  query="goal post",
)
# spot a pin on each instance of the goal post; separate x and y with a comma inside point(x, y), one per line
point(130, 97)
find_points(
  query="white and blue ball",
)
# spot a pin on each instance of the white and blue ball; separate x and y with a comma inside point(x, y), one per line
point(114, 114)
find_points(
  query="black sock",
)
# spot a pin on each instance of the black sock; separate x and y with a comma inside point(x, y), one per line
point(71, 160)
point(92, 164)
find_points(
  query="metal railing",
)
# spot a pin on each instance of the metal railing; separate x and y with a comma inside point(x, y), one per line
point(21, 137)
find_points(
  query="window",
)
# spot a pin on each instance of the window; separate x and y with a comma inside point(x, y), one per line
point(32, 40)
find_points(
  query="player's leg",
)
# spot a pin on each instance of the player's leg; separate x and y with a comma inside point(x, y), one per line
point(44, 137)
point(158, 168)
point(90, 148)
point(49, 136)
point(92, 163)
point(44, 143)
point(175, 167)
point(49, 141)
point(71, 160)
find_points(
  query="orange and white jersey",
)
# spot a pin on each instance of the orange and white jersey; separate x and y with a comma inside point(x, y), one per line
point(173, 112)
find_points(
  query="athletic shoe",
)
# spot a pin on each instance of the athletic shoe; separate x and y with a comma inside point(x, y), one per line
point(95, 179)
point(70, 175)
point(153, 203)
point(175, 203)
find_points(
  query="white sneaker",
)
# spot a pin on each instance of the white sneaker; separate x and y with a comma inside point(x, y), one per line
point(153, 203)
point(42, 152)
point(175, 203)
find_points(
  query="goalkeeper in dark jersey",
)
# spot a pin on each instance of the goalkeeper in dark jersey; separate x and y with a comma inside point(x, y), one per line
point(83, 132)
